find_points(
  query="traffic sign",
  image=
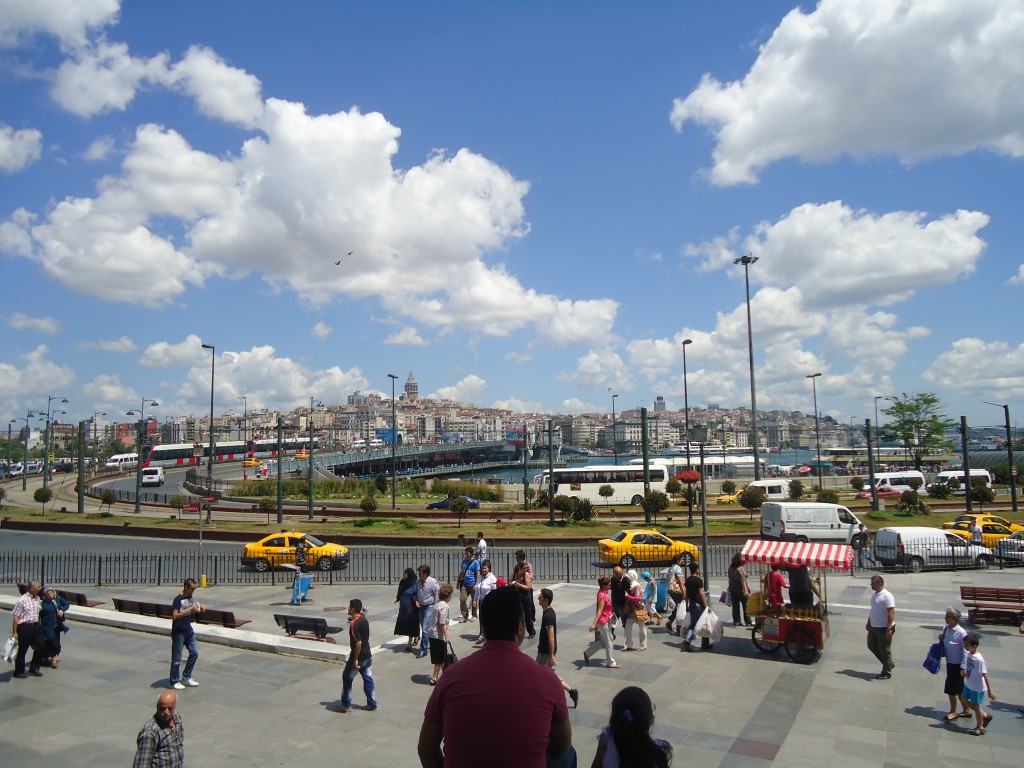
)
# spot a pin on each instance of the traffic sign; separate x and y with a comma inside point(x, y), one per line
point(192, 506)
point(210, 499)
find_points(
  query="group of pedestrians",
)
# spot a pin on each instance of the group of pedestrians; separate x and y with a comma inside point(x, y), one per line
point(37, 622)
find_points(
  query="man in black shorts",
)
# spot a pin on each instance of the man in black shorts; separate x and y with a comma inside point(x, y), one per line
point(547, 645)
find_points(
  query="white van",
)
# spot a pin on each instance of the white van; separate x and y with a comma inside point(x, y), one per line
point(807, 522)
point(122, 462)
point(153, 476)
point(918, 548)
point(946, 475)
point(898, 481)
point(774, 490)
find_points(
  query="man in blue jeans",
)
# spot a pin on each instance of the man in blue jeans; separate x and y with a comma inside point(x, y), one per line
point(426, 597)
point(359, 659)
point(183, 609)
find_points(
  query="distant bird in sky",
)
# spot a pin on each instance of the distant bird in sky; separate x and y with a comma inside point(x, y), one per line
point(338, 262)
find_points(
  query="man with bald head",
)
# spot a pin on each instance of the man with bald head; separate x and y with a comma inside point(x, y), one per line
point(161, 742)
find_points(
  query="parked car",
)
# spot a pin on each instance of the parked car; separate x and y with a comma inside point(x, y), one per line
point(446, 503)
point(251, 462)
point(278, 549)
point(644, 545)
point(918, 548)
point(728, 498)
point(883, 493)
point(1011, 548)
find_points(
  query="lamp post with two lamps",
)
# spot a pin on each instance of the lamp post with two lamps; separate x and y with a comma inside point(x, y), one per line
point(95, 439)
point(817, 432)
point(746, 261)
point(141, 413)
point(46, 438)
point(309, 507)
point(1009, 456)
point(394, 440)
point(24, 455)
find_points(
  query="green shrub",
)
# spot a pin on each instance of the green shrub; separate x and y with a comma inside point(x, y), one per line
point(911, 503)
point(752, 498)
point(368, 504)
point(654, 502)
point(940, 492)
point(796, 489)
point(857, 483)
point(828, 496)
point(728, 487)
point(409, 522)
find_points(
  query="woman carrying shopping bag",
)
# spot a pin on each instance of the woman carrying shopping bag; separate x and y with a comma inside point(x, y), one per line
point(696, 604)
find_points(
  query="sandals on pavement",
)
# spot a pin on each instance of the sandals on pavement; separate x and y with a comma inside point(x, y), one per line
point(977, 731)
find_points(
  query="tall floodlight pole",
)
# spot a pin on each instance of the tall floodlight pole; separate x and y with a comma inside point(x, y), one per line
point(141, 413)
point(95, 439)
point(210, 458)
point(1009, 453)
point(24, 457)
point(309, 507)
point(46, 438)
point(878, 454)
point(615, 443)
point(394, 440)
point(746, 261)
point(817, 432)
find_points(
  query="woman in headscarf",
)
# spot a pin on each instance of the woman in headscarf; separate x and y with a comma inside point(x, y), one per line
point(408, 621)
point(634, 601)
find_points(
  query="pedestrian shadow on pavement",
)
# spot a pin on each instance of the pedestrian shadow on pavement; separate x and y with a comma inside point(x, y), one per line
point(931, 713)
point(860, 674)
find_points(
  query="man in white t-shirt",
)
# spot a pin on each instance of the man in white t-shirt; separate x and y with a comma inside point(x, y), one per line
point(881, 626)
point(976, 532)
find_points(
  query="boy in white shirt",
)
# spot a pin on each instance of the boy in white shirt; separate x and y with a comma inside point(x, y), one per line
point(976, 682)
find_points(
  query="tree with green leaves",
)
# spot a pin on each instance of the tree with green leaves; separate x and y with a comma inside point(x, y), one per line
point(916, 422)
point(459, 506)
point(368, 504)
point(796, 490)
point(606, 492)
point(42, 495)
point(653, 503)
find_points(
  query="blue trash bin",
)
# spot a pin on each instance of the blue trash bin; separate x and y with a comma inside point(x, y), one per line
point(300, 587)
point(661, 602)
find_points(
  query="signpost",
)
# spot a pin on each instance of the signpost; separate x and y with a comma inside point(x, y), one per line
point(191, 506)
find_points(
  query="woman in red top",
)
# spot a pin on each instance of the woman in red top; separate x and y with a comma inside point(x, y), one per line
point(775, 584)
point(600, 626)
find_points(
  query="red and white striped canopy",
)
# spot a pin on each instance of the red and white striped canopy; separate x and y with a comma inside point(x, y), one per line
point(838, 556)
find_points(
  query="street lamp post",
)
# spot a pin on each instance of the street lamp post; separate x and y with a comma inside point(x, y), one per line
point(309, 508)
point(245, 418)
point(46, 439)
point(686, 403)
point(95, 439)
point(394, 439)
point(24, 455)
point(210, 458)
point(141, 413)
point(615, 443)
point(817, 432)
point(1009, 453)
point(746, 261)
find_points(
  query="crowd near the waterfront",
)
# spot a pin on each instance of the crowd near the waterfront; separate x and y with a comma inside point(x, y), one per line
point(540, 732)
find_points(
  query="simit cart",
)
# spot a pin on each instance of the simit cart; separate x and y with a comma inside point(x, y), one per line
point(802, 629)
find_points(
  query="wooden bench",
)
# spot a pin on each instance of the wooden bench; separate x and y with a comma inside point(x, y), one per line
point(993, 605)
point(78, 598)
point(220, 618)
point(165, 611)
point(293, 625)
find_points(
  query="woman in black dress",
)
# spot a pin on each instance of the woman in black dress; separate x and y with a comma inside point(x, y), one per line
point(408, 621)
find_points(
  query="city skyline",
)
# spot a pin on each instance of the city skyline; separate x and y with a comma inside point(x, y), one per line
point(534, 221)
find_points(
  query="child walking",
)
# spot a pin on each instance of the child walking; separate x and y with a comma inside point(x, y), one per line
point(976, 683)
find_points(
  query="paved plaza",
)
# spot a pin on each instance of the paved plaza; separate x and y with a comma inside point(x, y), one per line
point(734, 706)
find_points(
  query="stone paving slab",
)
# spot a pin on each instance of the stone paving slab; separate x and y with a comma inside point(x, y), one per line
point(732, 707)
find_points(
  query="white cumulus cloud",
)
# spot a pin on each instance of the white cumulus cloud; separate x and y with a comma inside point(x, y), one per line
point(944, 78)
point(22, 322)
point(19, 149)
point(468, 390)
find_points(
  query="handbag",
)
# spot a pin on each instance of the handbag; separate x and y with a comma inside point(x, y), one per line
point(934, 658)
point(10, 649)
point(641, 615)
point(725, 597)
point(450, 657)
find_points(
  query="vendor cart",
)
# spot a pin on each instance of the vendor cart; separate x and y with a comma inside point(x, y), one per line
point(802, 629)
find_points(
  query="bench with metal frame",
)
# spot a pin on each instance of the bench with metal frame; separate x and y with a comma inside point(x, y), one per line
point(315, 628)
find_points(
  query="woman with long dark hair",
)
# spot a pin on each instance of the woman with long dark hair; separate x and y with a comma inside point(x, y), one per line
point(739, 591)
point(408, 621)
point(626, 741)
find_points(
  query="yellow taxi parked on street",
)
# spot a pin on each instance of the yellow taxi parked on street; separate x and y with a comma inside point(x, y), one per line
point(251, 462)
point(729, 498)
point(278, 549)
point(991, 531)
point(983, 518)
point(644, 545)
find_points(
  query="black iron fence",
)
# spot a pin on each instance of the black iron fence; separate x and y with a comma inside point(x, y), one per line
point(380, 565)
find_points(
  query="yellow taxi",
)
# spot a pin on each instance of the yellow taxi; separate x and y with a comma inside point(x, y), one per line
point(983, 518)
point(278, 549)
point(644, 545)
point(251, 462)
point(729, 498)
point(991, 531)
point(302, 453)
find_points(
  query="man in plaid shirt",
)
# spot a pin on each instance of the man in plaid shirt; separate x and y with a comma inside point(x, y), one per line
point(161, 742)
point(25, 626)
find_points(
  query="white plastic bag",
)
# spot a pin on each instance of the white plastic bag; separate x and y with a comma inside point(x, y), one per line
point(682, 620)
point(718, 630)
point(705, 624)
point(10, 649)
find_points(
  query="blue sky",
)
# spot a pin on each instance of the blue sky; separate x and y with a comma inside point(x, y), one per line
point(541, 201)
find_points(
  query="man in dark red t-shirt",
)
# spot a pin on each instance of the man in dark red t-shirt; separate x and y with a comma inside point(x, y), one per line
point(540, 733)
